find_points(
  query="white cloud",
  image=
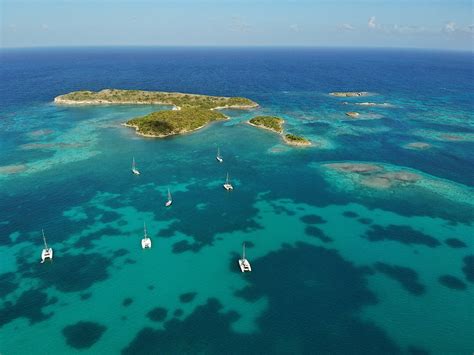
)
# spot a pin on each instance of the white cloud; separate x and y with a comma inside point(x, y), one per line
point(347, 27)
point(371, 22)
point(294, 27)
point(449, 27)
point(239, 25)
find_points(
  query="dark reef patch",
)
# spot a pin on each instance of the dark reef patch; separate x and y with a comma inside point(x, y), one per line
point(468, 268)
point(87, 241)
point(109, 216)
point(313, 219)
point(120, 252)
point(73, 273)
point(178, 312)
point(127, 302)
point(227, 215)
point(407, 277)
point(316, 232)
point(415, 350)
point(85, 296)
point(83, 335)
point(157, 314)
point(187, 297)
point(455, 243)
point(321, 294)
point(350, 214)
point(452, 282)
point(249, 244)
point(129, 261)
point(401, 234)
point(29, 305)
point(7, 284)
point(151, 287)
point(364, 220)
point(183, 246)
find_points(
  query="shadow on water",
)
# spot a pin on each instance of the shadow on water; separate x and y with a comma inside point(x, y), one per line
point(312, 308)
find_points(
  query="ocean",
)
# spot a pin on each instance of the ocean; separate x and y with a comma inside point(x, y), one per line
point(360, 244)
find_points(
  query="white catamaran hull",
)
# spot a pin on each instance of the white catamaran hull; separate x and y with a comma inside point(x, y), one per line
point(46, 254)
point(135, 171)
point(228, 187)
point(244, 265)
point(168, 203)
point(219, 159)
point(146, 243)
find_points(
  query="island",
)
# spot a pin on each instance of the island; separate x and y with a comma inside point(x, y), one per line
point(350, 93)
point(271, 123)
point(293, 139)
point(275, 124)
point(190, 111)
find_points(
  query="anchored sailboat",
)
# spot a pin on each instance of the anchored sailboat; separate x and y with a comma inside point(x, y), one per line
point(228, 186)
point(134, 168)
point(170, 200)
point(146, 241)
point(218, 156)
point(244, 263)
point(47, 252)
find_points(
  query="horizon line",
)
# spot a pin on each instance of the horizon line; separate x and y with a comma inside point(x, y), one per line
point(298, 46)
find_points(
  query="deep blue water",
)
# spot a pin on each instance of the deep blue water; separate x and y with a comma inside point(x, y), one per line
point(344, 262)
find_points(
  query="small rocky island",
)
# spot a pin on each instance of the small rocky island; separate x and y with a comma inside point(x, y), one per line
point(190, 111)
point(275, 124)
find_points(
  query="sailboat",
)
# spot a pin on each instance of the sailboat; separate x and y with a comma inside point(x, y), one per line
point(218, 156)
point(228, 186)
point(134, 168)
point(170, 200)
point(244, 263)
point(146, 241)
point(47, 252)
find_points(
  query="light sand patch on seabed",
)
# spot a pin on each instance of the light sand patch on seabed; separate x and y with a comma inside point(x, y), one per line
point(351, 176)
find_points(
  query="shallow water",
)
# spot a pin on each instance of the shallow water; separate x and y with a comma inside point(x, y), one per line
point(343, 261)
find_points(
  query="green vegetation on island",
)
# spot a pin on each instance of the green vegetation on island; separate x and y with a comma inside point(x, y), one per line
point(272, 123)
point(190, 112)
point(296, 140)
point(166, 123)
point(275, 124)
point(114, 96)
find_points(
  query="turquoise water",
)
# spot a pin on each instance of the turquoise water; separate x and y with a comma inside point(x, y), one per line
point(345, 261)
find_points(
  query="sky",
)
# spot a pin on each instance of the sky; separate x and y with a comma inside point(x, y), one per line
point(447, 24)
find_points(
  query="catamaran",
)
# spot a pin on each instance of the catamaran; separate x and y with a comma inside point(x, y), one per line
point(228, 186)
point(244, 263)
point(146, 241)
point(47, 252)
point(134, 168)
point(170, 200)
point(218, 156)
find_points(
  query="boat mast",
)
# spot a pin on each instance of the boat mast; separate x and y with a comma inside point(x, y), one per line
point(169, 194)
point(243, 252)
point(227, 179)
point(133, 163)
point(44, 239)
point(144, 230)
point(218, 152)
